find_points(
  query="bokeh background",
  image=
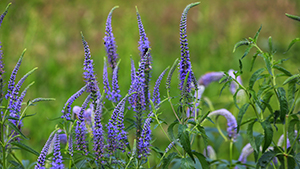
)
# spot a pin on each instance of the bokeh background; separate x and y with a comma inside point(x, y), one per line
point(50, 30)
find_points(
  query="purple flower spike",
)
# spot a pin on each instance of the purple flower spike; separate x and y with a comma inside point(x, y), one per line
point(132, 70)
point(115, 93)
point(156, 94)
point(144, 140)
point(117, 137)
point(144, 44)
point(88, 74)
point(4, 13)
point(171, 145)
point(70, 146)
point(209, 77)
point(41, 159)
point(247, 150)
point(231, 122)
point(70, 101)
point(81, 128)
point(98, 133)
point(57, 162)
point(185, 67)
point(234, 86)
point(106, 86)
point(15, 92)
point(109, 42)
point(209, 152)
point(12, 78)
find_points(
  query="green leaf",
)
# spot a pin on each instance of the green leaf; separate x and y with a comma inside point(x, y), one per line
point(265, 159)
point(292, 79)
point(170, 130)
point(240, 43)
point(25, 147)
point(268, 134)
point(247, 51)
point(187, 163)
point(291, 95)
point(250, 135)
point(203, 134)
point(268, 64)
point(16, 130)
point(283, 70)
point(292, 43)
point(240, 115)
point(257, 34)
point(184, 139)
point(270, 45)
point(297, 18)
point(265, 101)
point(167, 160)
point(284, 108)
point(202, 159)
point(291, 129)
point(297, 159)
point(253, 60)
point(170, 74)
point(254, 77)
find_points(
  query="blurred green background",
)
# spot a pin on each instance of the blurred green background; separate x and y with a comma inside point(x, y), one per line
point(50, 30)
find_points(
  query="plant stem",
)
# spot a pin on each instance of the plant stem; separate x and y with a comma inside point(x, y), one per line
point(230, 152)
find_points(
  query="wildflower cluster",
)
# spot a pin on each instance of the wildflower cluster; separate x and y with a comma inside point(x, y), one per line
point(83, 137)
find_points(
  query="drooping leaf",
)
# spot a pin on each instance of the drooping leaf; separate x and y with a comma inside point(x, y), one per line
point(25, 147)
point(291, 95)
point(247, 51)
point(297, 159)
point(284, 108)
point(202, 159)
point(203, 134)
point(291, 129)
point(167, 160)
point(250, 135)
point(170, 130)
point(240, 115)
point(254, 77)
point(184, 139)
point(292, 43)
point(292, 79)
point(240, 43)
point(187, 163)
point(283, 70)
point(265, 159)
point(16, 129)
point(268, 134)
point(253, 60)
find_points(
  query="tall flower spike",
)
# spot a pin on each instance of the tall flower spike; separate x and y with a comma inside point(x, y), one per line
point(106, 86)
point(156, 94)
point(117, 136)
point(57, 162)
point(144, 140)
point(231, 122)
point(80, 129)
point(210, 77)
point(144, 47)
point(17, 108)
point(88, 74)
point(70, 144)
point(185, 65)
point(247, 150)
point(209, 152)
point(109, 42)
point(12, 78)
point(115, 92)
point(69, 102)
point(15, 91)
point(98, 133)
point(4, 13)
point(41, 159)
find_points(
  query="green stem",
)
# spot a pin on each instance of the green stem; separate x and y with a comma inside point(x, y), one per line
point(285, 130)
point(169, 99)
point(230, 152)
